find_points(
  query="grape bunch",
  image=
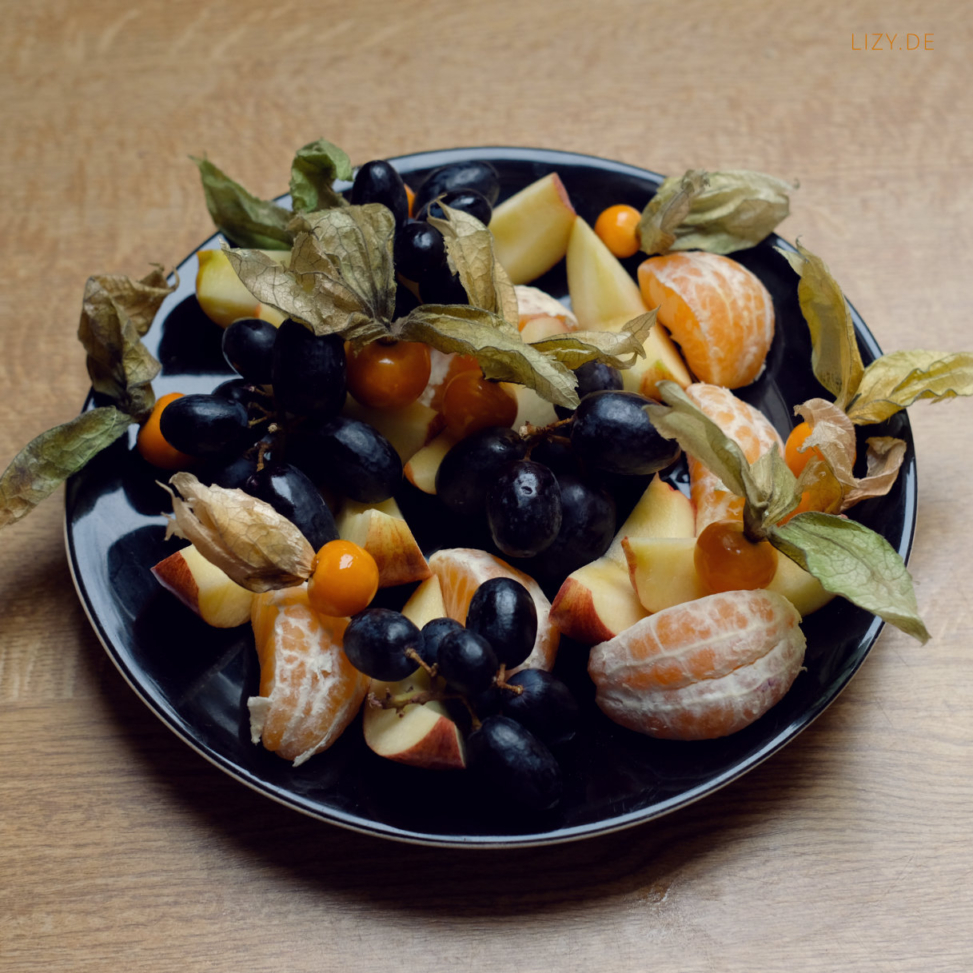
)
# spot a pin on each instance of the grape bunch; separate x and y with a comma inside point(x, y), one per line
point(516, 720)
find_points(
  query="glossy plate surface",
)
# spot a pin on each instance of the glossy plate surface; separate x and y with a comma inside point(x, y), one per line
point(197, 679)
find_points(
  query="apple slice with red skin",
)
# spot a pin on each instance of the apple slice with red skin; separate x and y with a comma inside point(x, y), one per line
point(204, 588)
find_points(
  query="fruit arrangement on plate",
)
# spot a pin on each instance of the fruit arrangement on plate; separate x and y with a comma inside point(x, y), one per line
point(469, 421)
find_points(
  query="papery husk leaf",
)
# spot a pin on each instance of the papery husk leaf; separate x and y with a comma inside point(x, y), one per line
point(835, 359)
point(775, 494)
point(898, 379)
point(313, 172)
point(884, 458)
point(852, 561)
point(833, 435)
point(667, 209)
point(469, 250)
point(241, 216)
point(49, 459)
point(496, 345)
point(820, 486)
point(681, 419)
point(575, 348)
point(252, 543)
point(720, 212)
point(116, 312)
point(340, 278)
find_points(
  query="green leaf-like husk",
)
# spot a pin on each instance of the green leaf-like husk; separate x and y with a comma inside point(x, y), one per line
point(575, 348)
point(313, 172)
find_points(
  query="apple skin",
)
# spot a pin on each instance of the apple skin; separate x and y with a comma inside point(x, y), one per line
point(223, 297)
point(204, 588)
point(420, 735)
point(596, 603)
point(382, 531)
point(531, 229)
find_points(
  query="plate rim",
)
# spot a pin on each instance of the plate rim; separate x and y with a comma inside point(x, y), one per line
point(157, 705)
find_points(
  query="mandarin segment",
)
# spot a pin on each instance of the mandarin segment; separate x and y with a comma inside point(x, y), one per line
point(703, 669)
point(309, 691)
point(749, 428)
point(719, 312)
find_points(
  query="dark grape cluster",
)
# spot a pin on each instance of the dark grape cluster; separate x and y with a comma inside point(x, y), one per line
point(516, 720)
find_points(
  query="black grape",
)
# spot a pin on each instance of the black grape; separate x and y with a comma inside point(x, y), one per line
point(378, 182)
point(467, 661)
point(464, 200)
point(503, 612)
point(469, 469)
point(248, 347)
point(433, 633)
point(545, 706)
point(295, 497)
point(205, 425)
point(593, 376)
point(612, 432)
point(480, 176)
point(308, 371)
point(419, 250)
point(524, 509)
point(376, 641)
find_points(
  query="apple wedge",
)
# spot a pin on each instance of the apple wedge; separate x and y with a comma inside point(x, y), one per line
point(531, 408)
point(204, 588)
point(800, 588)
point(596, 603)
point(662, 570)
point(599, 597)
point(532, 303)
point(408, 429)
point(603, 295)
point(662, 363)
point(540, 327)
point(531, 229)
point(223, 296)
point(420, 735)
point(382, 531)
point(421, 469)
point(426, 602)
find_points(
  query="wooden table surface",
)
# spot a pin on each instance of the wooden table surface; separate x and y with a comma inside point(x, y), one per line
point(120, 847)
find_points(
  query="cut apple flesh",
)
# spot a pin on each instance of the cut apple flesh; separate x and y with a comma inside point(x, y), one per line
point(421, 470)
point(408, 429)
point(662, 571)
point(596, 603)
point(204, 588)
point(531, 229)
point(382, 531)
point(223, 297)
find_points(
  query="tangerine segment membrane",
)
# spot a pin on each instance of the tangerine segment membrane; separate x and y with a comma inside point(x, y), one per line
point(719, 312)
point(461, 570)
point(749, 428)
point(703, 669)
point(309, 691)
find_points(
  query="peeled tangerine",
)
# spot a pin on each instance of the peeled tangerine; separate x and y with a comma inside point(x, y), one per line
point(309, 691)
point(719, 312)
point(703, 669)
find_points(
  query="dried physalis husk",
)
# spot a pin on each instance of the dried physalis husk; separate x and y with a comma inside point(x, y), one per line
point(575, 348)
point(253, 544)
point(833, 435)
point(721, 212)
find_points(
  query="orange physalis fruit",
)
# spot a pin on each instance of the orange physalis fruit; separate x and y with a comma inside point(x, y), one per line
point(726, 560)
point(618, 228)
point(345, 579)
point(472, 402)
point(388, 375)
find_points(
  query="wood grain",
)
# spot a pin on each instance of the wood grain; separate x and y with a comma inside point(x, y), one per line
point(849, 850)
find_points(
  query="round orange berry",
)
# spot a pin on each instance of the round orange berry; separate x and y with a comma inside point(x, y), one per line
point(344, 581)
point(152, 445)
point(472, 402)
point(795, 455)
point(388, 375)
point(618, 228)
point(727, 560)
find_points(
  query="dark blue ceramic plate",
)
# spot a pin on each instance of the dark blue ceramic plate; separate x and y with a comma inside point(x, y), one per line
point(196, 679)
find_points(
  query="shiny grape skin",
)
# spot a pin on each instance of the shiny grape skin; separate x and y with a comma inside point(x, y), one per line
point(205, 425)
point(503, 612)
point(469, 469)
point(467, 662)
point(308, 371)
point(518, 765)
point(379, 182)
point(612, 432)
point(546, 706)
point(349, 457)
point(295, 497)
point(419, 250)
point(592, 376)
point(588, 520)
point(433, 633)
point(442, 286)
point(232, 474)
point(376, 641)
point(480, 176)
point(248, 347)
point(465, 200)
point(524, 509)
